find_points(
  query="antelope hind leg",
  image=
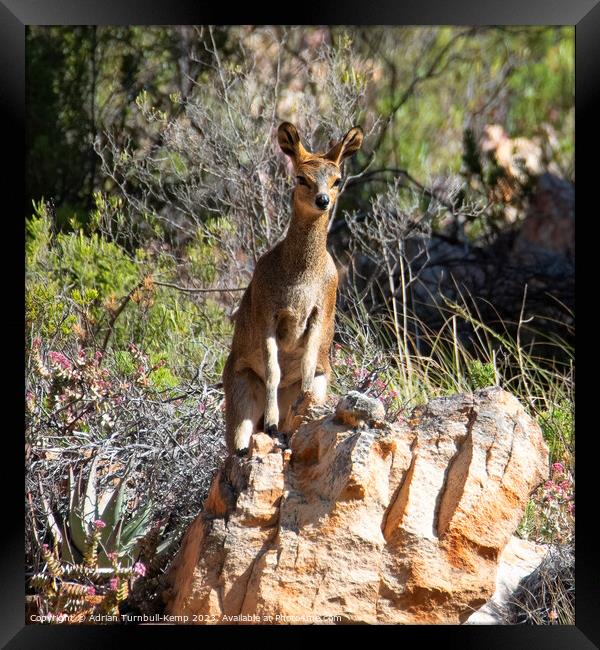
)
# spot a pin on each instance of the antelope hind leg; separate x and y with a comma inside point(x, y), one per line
point(300, 402)
point(286, 397)
point(244, 406)
point(319, 388)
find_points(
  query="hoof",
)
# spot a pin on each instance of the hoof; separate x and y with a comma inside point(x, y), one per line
point(282, 440)
point(279, 436)
point(282, 443)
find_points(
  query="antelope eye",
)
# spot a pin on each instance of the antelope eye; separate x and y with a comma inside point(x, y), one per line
point(338, 182)
point(302, 181)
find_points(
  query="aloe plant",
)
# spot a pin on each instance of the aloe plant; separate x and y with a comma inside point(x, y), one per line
point(90, 567)
point(95, 549)
point(119, 533)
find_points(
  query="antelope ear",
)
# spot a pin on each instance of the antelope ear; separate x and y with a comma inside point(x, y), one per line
point(289, 141)
point(347, 146)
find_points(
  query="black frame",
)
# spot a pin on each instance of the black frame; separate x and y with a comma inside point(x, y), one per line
point(14, 16)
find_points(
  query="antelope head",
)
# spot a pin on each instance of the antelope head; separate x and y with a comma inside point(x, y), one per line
point(318, 175)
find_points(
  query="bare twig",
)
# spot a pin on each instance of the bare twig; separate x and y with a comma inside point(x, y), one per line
point(116, 314)
point(197, 290)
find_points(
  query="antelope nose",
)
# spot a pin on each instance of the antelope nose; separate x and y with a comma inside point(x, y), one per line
point(322, 201)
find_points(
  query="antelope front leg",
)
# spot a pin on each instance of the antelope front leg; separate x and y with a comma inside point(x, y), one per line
point(309, 361)
point(308, 368)
point(272, 378)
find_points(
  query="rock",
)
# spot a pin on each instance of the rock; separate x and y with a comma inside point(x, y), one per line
point(357, 409)
point(519, 559)
point(402, 523)
point(261, 444)
point(550, 221)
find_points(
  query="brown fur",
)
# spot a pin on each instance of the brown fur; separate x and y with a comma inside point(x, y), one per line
point(284, 326)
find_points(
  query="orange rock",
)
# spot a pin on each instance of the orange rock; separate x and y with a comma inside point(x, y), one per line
point(402, 523)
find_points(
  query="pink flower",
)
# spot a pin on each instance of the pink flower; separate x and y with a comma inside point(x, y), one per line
point(558, 467)
point(99, 523)
point(548, 485)
point(36, 343)
point(98, 355)
point(571, 508)
point(101, 384)
point(91, 590)
point(113, 583)
point(59, 360)
point(393, 394)
point(139, 568)
point(359, 373)
point(201, 407)
point(112, 556)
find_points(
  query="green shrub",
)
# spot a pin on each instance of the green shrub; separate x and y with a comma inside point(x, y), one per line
point(481, 374)
point(77, 283)
point(558, 428)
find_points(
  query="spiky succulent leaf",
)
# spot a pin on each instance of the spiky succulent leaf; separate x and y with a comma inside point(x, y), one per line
point(103, 561)
point(72, 489)
point(103, 500)
point(52, 525)
point(137, 527)
point(76, 525)
point(66, 552)
point(112, 512)
point(90, 502)
point(113, 543)
point(167, 543)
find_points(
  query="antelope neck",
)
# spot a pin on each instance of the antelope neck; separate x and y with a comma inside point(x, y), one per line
point(305, 244)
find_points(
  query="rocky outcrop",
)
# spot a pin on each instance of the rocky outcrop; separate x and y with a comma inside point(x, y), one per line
point(549, 226)
point(364, 521)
